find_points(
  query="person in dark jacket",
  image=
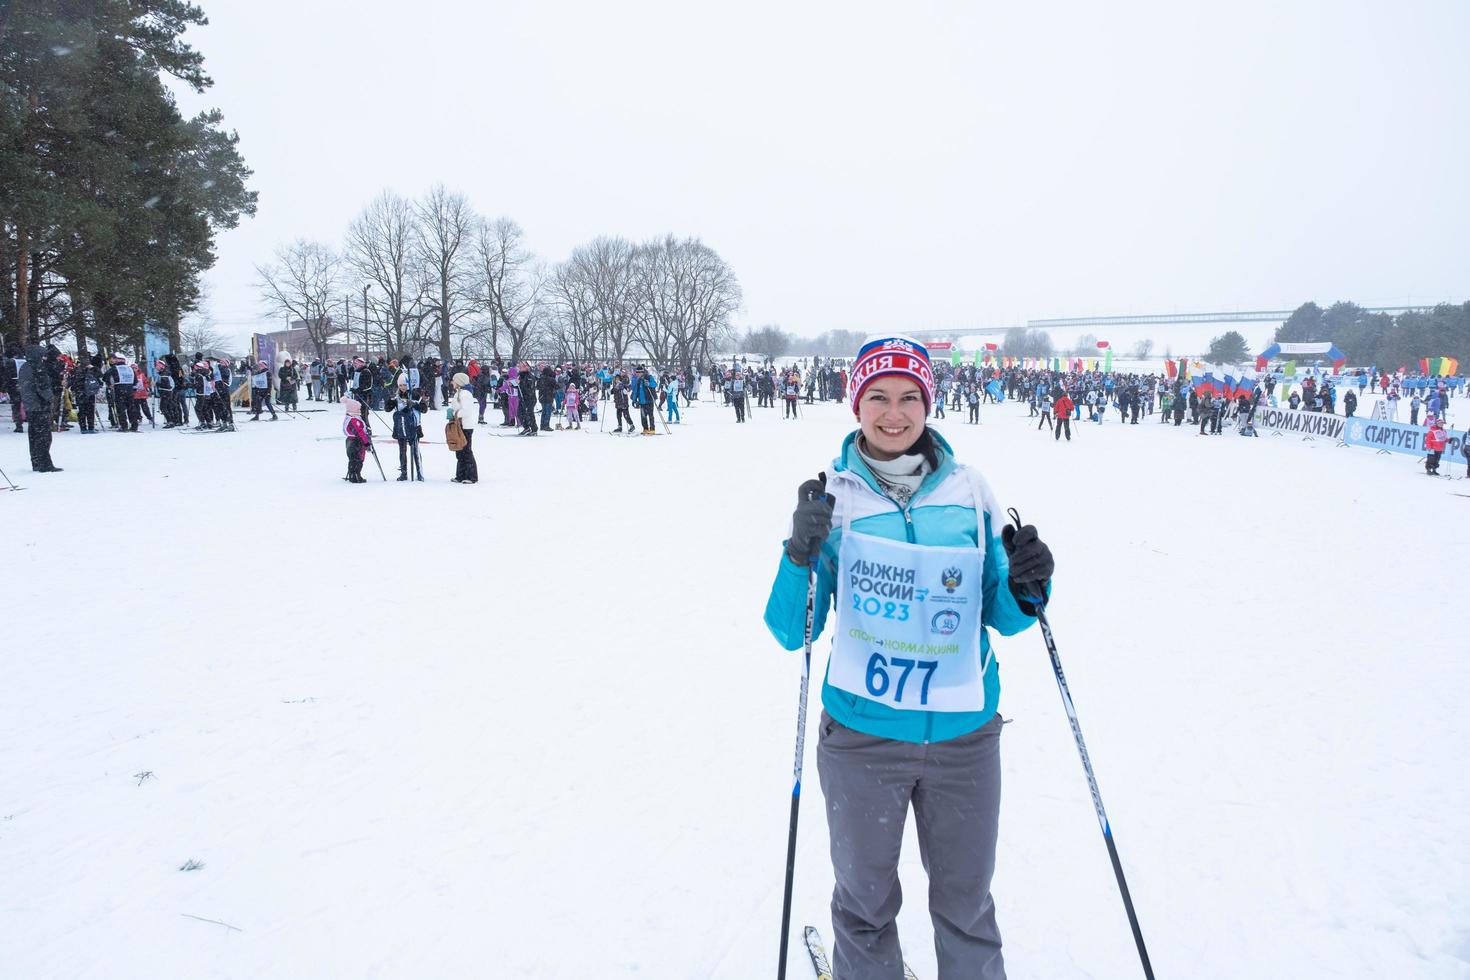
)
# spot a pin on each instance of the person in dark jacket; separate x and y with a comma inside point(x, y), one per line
point(1349, 402)
point(260, 392)
point(168, 391)
point(526, 409)
point(480, 387)
point(224, 412)
point(645, 390)
point(620, 402)
point(124, 383)
point(10, 380)
point(408, 408)
point(360, 388)
point(85, 384)
point(34, 383)
point(290, 380)
point(546, 392)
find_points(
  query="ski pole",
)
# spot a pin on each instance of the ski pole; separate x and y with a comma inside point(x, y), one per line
point(806, 673)
point(12, 485)
point(374, 449)
point(1039, 602)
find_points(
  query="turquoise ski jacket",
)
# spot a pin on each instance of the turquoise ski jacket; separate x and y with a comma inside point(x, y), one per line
point(943, 512)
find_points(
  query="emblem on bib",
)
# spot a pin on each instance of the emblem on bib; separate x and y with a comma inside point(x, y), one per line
point(945, 622)
point(950, 578)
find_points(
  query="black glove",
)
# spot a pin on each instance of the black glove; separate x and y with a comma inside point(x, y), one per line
point(811, 522)
point(1031, 563)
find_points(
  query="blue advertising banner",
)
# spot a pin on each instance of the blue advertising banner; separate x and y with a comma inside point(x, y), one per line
point(1399, 437)
point(155, 345)
point(265, 350)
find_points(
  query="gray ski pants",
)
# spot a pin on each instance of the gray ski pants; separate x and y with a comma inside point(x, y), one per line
point(954, 786)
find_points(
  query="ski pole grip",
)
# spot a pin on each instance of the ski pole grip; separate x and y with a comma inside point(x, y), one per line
point(1037, 598)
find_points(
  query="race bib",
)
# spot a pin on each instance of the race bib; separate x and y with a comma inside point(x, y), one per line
point(908, 624)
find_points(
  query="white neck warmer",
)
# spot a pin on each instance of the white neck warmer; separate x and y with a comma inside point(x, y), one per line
point(900, 478)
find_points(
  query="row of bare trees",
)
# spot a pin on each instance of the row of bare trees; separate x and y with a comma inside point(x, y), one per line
point(432, 274)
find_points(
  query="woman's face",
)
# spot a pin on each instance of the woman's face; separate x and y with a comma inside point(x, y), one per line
point(891, 413)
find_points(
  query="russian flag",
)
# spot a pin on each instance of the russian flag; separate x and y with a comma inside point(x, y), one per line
point(1229, 391)
point(1207, 385)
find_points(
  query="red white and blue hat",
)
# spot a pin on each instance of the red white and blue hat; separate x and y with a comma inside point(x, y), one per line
point(890, 357)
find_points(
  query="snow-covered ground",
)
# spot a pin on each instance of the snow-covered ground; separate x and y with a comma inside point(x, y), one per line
point(536, 728)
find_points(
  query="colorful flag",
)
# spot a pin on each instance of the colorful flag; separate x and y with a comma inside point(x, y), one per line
point(1102, 344)
point(1439, 367)
point(1289, 369)
point(1170, 368)
point(1183, 369)
point(954, 357)
point(977, 358)
point(1229, 390)
point(1108, 365)
point(1207, 385)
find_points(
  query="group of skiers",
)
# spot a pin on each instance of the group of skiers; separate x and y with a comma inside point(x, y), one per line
point(767, 383)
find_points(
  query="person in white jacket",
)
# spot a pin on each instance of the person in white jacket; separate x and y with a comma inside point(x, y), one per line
point(464, 406)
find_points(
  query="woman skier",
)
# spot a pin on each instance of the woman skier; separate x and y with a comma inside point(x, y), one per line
point(920, 561)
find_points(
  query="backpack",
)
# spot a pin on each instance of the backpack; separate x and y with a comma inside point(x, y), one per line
point(454, 435)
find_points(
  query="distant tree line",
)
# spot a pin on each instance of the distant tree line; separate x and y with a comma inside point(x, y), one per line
point(110, 200)
point(432, 274)
point(1380, 338)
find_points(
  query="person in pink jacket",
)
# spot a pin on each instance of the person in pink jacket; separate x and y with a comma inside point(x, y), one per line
point(573, 405)
point(358, 439)
point(510, 392)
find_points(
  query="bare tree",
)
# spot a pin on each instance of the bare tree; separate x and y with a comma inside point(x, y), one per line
point(303, 282)
point(685, 293)
point(1143, 349)
point(445, 233)
point(199, 334)
point(572, 319)
point(594, 292)
point(511, 286)
point(769, 340)
point(383, 248)
point(197, 329)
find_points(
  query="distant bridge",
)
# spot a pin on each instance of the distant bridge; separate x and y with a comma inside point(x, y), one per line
point(1247, 316)
point(1142, 319)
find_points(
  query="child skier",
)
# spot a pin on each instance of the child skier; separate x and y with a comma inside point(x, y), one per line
point(572, 401)
point(1435, 441)
point(357, 439)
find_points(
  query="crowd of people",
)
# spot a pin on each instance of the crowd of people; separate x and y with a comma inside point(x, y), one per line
point(43, 383)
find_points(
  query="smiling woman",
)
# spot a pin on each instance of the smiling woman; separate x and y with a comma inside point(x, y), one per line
point(908, 544)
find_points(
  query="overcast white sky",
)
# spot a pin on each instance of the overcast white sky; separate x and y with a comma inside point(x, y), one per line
point(883, 166)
